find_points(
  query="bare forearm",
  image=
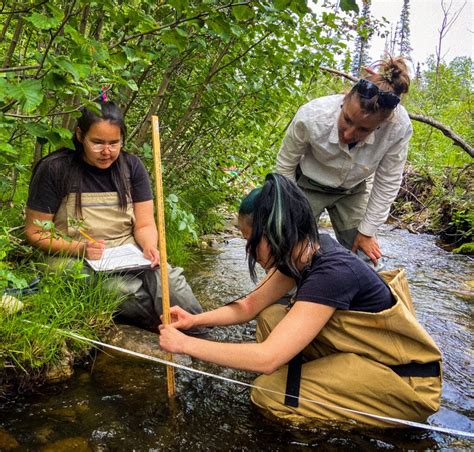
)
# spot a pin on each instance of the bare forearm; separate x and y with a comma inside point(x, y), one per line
point(146, 236)
point(52, 245)
point(251, 356)
point(232, 314)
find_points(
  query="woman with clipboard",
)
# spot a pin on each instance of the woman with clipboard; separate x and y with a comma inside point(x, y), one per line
point(106, 192)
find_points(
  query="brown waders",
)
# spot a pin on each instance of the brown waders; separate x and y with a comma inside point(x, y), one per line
point(362, 361)
point(104, 220)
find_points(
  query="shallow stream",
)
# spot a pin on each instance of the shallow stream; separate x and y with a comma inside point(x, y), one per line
point(118, 404)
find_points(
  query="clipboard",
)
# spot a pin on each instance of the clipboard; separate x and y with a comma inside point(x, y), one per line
point(120, 258)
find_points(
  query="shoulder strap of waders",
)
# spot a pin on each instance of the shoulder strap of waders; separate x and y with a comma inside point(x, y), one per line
point(293, 380)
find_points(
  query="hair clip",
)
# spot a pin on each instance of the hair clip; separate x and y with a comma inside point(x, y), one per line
point(387, 74)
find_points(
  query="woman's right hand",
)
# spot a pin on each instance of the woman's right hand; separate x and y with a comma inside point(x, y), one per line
point(180, 318)
point(94, 250)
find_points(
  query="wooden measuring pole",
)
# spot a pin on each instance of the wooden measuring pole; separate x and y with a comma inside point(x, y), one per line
point(160, 220)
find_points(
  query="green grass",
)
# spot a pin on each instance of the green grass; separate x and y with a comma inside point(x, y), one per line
point(68, 301)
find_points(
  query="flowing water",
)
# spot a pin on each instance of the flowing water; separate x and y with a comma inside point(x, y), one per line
point(119, 404)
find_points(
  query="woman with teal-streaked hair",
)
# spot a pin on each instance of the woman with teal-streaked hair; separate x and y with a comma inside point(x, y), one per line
point(347, 340)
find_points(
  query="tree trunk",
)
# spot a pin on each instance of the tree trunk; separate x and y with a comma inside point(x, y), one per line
point(142, 128)
point(66, 123)
point(5, 27)
point(14, 42)
point(196, 98)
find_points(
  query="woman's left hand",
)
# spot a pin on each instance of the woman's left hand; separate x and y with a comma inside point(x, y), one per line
point(369, 245)
point(153, 254)
point(172, 340)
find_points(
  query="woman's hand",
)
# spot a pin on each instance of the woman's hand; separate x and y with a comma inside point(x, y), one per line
point(94, 250)
point(172, 340)
point(369, 245)
point(153, 254)
point(180, 318)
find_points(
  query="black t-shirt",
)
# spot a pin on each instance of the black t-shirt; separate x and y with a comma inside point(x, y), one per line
point(338, 278)
point(46, 192)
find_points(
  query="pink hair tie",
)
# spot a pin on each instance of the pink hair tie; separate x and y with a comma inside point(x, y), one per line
point(103, 94)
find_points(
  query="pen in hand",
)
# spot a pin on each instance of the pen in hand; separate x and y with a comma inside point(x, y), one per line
point(87, 236)
point(94, 248)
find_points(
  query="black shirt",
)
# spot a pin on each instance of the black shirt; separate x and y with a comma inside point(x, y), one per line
point(337, 277)
point(46, 194)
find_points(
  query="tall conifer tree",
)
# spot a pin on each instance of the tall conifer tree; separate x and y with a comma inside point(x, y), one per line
point(361, 57)
point(404, 47)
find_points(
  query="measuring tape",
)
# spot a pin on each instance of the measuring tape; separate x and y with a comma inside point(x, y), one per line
point(448, 431)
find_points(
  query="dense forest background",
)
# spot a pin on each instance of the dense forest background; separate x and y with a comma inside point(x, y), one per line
point(225, 78)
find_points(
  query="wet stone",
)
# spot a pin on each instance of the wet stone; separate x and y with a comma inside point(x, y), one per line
point(68, 414)
point(76, 444)
point(139, 341)
point(61, 371)
point(7, 441)
point(44, 433)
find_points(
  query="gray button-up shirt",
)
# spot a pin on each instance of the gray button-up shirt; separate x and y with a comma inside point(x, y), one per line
point(312, 141)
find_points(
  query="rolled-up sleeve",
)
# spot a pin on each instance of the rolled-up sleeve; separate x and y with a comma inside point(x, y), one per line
point(388, 177)
point(294, 146)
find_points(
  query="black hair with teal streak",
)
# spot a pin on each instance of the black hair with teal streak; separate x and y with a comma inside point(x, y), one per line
point(279, 211)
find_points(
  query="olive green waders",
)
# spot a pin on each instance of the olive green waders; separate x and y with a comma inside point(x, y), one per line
point(346, 208)
point(103, 219)
point(348, 366)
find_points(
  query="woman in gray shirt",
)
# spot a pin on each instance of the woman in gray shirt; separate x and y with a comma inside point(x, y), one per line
point(347, 153)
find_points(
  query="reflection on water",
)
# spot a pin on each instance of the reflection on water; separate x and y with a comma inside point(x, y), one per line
point(122, 405)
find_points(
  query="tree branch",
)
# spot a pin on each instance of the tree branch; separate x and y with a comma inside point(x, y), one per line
point(18, 68)
point(458, 141)
point(175, 23)
point(67, 15)
point(26, 10)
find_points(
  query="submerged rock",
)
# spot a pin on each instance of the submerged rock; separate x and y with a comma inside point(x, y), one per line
point(77, 444)
point(61, 371)
point(7, 441)
point(140, 341)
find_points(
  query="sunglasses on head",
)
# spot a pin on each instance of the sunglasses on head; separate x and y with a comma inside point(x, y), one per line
point(367, 90)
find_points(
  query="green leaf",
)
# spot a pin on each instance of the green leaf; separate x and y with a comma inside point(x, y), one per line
point(182, 225)
point(62, 132)
point(177, 5)
point(8, 148)
point(77, 70)
point(42, 22)
point(281, 5)
point(57, 13)
point(55, 80)
point(77, 37)
point(221, 27)
point(349, 5)
point(242, 12)
point(132, 85)
point(173, 38)
point(182, 32)
point(4, 89)
point(299, 7)
point(132, 55)
point(29, 93)
point(37, 129)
